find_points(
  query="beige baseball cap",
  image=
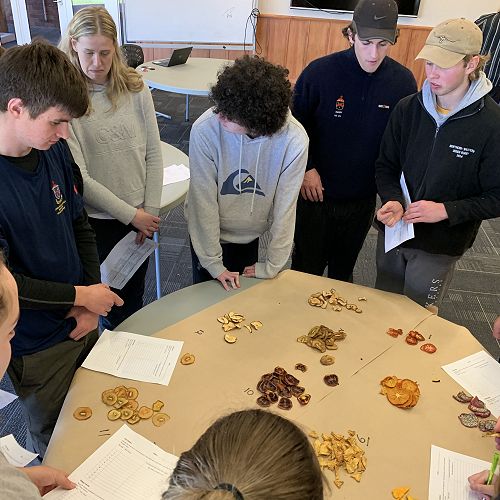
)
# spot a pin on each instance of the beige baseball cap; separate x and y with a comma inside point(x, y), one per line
point(449, 42)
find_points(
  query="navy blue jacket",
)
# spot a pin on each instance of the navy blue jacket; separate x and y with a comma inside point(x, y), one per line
point(38, 214)
point(345, 111)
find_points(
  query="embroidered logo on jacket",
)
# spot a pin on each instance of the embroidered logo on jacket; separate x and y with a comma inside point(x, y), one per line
point(339, 107)
point(248, 184)
point(60, 201)
point(461, 151)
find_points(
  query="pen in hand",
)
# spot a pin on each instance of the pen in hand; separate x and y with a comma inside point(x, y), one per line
point(493, 468)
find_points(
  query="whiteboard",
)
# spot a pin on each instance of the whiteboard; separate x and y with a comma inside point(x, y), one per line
point(193, 21)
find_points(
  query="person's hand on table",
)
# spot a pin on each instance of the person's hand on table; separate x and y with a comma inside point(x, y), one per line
point(229, 277)
point(312, 188)
point(477, 483)
point(390, 213)
point(47, 478)
point(86, 322)
point(425, 211)
point(249, 271)
point(98, 299)
point(146, 223)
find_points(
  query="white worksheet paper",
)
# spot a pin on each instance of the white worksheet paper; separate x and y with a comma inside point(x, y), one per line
point(401, 231)
point(449, 472)
point(478, 374)
point(124, 260)
point(15, 454)
point(175, 173)
point(126, 467)
point(136, 357)
point(6, 398)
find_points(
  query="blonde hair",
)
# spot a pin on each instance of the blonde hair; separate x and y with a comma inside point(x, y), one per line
point(250, 455)
point(480, 66)
point(97, 21)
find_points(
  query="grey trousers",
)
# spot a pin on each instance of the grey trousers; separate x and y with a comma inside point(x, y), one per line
point(423, 277)
point(41, 380)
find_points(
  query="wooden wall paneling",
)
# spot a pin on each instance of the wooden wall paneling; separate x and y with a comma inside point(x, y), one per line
point(319, 36)
point(297, 47)
point(158, 53)
point(217, 54)
point(417, 41)
point(399, 51)
point(336, 41)
point(149, 54)
point(200, 53)
point(262, 37)
point(234, 54)
point(278, 40)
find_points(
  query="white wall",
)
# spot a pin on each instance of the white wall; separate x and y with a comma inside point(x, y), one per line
point(431, 12)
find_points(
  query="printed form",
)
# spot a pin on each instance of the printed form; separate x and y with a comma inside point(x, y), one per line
point(175, 173)
point(124, 260)
point(15, 454)
point(478, 374)
point(126, 467)
point(136, 357)
point(449, 472)
point(401, 231)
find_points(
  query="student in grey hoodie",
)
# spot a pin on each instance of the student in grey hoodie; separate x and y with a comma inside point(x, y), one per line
point(247, 159)
point(446, 141)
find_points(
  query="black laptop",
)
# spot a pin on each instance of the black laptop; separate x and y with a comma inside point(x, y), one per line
point(179, 56)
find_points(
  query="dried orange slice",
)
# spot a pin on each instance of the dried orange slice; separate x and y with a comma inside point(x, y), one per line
point(399, 493)
point(397, 396)
point(389, 381)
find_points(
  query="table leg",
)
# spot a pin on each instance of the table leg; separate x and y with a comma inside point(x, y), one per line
point(187, 107)
point(157, 265)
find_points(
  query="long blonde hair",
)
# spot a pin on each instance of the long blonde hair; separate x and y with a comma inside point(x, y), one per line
point(97, 21)
point(250, 455)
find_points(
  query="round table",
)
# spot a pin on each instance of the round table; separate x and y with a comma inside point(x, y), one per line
point(193, 78)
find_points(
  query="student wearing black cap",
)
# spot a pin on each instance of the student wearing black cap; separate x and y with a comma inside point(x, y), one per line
point(344, 101)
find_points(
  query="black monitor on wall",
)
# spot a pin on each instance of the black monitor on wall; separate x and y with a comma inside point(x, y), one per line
point(406, 7)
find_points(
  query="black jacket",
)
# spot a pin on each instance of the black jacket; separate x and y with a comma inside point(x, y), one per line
point(457, 164)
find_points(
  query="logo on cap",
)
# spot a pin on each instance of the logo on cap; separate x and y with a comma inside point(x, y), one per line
point(378, 18)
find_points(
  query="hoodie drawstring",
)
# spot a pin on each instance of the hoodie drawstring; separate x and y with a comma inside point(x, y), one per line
point(239, 168)
point(255, 180)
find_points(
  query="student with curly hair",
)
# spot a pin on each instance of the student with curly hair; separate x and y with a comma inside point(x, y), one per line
point(229, 461)
point(247, 157)
point(117, 146)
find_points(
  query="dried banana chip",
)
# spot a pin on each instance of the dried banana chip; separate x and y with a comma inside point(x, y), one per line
point(256, 325)
point(82, 413)
point(230, 339)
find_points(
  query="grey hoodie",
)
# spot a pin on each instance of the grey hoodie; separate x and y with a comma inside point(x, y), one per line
point(477, 89)
point(240, 187)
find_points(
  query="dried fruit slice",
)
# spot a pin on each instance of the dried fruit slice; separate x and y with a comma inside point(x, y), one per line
point(223, 320)
point(331, 380)
point(429, 348)
point(389, 381)
point(399, 493)
point(301, 367)
point(411, 340)
point(397, 396)
point(114, 414)
point(82, 413)
point(126, 413)
point(230, 339)
point(131, 405)
point(273, 397)
point(462, 397)
point(416, 335)
point(121, 391)
point(145, 412)
point(409, 385)
point(157, 405)
point(120, 402)
point(304, 399)
point(256, 325)
point(263, 401)
point(327, 360)
point(188, 359)
point(475, 401)
point(227, 327)
point(132, 393)
point(468, 419)
point(134, 419)
point(109, 397)
point(487, 426)
point(285, 404)
point(159, 419)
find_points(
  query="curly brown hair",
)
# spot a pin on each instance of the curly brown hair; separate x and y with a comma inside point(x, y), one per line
point(253, 93)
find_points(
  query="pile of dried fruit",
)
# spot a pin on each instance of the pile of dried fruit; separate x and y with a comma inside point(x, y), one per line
point(331, 297)
point(279, 387)
point(322, 338)
point(478, 414)
point(403, 393)
point(335, 452)
point(413, 338)
point(126, 407)
point(232, 321)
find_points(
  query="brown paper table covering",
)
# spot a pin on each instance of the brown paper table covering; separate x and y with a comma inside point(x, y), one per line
point(224, 377)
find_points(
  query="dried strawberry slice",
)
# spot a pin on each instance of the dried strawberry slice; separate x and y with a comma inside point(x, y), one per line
point(411, 340)
point(429, 348)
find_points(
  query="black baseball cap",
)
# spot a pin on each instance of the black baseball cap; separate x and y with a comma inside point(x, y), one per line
point(376, 19)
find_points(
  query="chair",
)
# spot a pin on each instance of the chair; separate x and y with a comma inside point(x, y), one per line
point(135, 57)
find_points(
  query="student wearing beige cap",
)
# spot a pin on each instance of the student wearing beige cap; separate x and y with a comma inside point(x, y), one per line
point(446, 141)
